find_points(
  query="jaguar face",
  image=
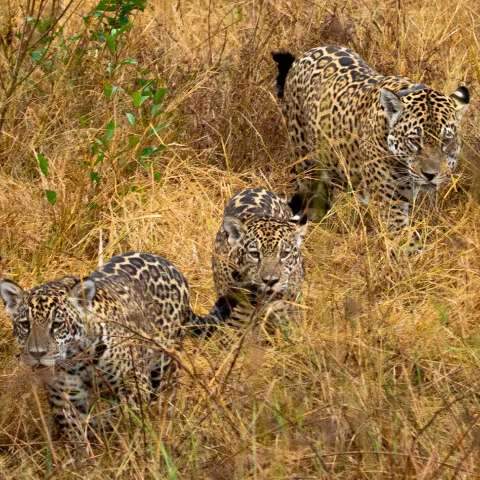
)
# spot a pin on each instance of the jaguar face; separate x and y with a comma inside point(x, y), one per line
point(45, 323)
point(422, 132)
point(264, 252)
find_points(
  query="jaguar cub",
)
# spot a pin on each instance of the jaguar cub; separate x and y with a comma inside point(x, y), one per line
point(112, 330)
point(257, 260)
point(386, 137)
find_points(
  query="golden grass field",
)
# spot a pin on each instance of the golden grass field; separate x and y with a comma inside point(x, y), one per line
point(379, 380)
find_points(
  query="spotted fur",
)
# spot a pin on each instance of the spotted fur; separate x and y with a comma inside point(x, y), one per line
point(257, 260)
point(386, 137)
point(113, 329)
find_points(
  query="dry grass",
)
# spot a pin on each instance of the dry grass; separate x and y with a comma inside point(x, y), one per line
point(380, 379)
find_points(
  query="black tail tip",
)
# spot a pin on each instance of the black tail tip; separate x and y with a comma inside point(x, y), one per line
point(220, 313)
point(284, 61)
point(298, 206)
point(462, 94)
point(283, 58)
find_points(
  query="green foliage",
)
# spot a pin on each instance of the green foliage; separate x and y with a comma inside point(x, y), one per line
point(172, 471)
point(116, 13)
point(42, 163)
point(36, 45)
point(109, 23)
point(110, 90)
point(51, 196)
point(131, 118)
point(111, 20)
point(141, 102)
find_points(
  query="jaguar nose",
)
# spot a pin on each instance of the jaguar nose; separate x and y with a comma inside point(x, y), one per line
point(429, 176)
point(270, 280)
point(37, 354)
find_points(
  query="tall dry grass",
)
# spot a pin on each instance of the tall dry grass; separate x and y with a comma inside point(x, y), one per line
point(379, 380)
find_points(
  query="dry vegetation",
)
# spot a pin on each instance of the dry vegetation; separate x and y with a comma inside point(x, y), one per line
point(379, 380)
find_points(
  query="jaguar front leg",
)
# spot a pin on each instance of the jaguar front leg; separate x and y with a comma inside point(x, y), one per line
point(69, 398)
point(398, 221)
point(163, 373)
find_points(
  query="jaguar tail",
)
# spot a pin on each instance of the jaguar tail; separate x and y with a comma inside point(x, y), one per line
point(204, 326)
point(284, 61)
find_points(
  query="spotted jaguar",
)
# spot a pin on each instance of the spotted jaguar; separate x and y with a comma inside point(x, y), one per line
point(385, 137)
point(257, 260)
point(111, 332)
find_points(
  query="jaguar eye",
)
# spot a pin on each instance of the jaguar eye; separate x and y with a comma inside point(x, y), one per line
point(56, 324)
point(252, 250)
point(285, 253)
point(414, 143)
point(24, 323)
point(57, 321)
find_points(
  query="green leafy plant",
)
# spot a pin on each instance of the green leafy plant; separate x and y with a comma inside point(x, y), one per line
point(109, 24)
point(27, 47)
point(109, 21)
point(42, 160)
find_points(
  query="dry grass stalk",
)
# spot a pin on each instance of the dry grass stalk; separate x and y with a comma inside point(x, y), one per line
point(380, 379)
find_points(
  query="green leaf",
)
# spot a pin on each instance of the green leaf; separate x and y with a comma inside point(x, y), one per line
point(129, 61)
point(111, 43)
point(138, 98)
point(156, 109)
point(109, 132)
point(106, 6)
point(111, 40)
point(144, 82)
point(159, 95)
point(51, 196)
point(148, 152)
point(37, 55)
point(95, 177)
point(110, 90)
point(43, 164)
point(44, 24)
point(100, 158)
point(157, 176)
point(131, 118)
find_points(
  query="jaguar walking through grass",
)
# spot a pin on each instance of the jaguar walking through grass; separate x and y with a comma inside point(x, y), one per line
point(113, 329)
point(257, 261)
point(385, 137)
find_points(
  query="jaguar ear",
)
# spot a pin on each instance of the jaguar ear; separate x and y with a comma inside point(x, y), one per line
point(461, 97)
point(392, 105)
point(12, 295)
point(82, 295)
point(300, 234)
point(234, 229)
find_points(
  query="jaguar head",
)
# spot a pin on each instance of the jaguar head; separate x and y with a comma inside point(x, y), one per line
point(422, 132)
point(46, 319)
point(264, 252)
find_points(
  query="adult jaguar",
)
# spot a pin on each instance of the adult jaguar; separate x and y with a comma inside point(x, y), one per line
point(385, 137)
